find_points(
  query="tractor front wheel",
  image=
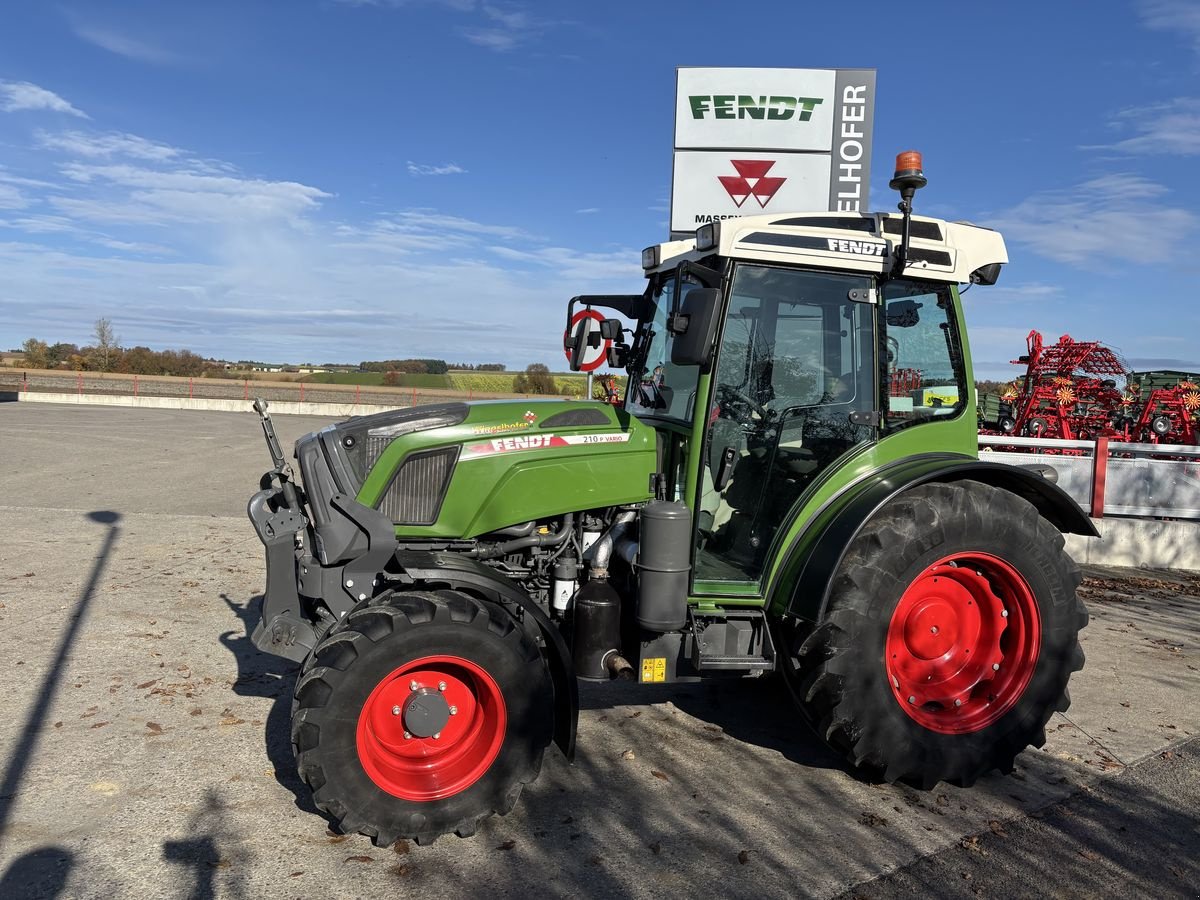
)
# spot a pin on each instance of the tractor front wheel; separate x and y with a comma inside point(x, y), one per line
point(951, 630)
point(420, 714)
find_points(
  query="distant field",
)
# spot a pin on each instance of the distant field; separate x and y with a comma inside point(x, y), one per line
point(568, 383)
point(365, 378)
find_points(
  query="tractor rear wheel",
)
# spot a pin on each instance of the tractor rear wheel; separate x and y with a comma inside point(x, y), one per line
point(951, 630)
point(420, 714)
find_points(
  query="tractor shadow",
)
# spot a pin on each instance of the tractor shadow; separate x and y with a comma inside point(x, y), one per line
point(263, 675)
point(756, 711)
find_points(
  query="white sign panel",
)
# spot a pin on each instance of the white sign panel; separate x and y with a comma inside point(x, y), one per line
point(813, 125)
point(724, 184)
point(780, 109)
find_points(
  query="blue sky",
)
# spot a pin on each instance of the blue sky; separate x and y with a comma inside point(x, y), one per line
point(338, 180)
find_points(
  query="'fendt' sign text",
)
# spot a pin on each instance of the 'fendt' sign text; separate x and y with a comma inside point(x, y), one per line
point(742, 106)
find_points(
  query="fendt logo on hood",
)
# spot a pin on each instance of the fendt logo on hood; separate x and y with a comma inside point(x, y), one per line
point(751, 180)
point(743, 106)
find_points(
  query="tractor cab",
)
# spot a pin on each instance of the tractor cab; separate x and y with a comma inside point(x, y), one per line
point(772, 352)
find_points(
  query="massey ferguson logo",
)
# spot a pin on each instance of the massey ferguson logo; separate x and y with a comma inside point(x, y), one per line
point(751, 181)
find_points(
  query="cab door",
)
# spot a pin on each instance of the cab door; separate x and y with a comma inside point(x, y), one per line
point(794, 390)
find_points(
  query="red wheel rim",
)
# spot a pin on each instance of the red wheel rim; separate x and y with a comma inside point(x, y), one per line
point(468, 713)
point(963, 643)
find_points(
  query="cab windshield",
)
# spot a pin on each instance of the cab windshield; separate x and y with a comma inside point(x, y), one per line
point(658, 387)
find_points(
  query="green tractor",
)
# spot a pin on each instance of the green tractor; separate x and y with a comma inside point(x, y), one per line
point(778, 494)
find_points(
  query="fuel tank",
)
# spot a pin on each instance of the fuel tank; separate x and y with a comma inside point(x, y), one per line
point(458, 470)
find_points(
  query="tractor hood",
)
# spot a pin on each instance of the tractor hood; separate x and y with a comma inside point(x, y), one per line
point(458, 470)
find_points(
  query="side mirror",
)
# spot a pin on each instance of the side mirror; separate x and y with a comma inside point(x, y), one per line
point(618, 356)
point(610, 330)
point(903, 313)
point(576, 342)
point(694, 326)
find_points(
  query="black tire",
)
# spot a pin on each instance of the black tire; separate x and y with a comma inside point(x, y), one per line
point(839, 671)
point(361, 657)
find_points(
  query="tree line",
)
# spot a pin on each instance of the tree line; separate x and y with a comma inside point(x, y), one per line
point(105, 354)
point(425, 366)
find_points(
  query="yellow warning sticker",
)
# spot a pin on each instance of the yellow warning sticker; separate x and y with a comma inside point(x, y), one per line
point(654, 670)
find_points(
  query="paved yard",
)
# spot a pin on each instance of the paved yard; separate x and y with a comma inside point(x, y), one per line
point(145, 750)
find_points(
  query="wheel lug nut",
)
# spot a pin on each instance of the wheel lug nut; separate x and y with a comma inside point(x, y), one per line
point(958, 703)
point(1004, 613)
point(407, 736)
point(933, 630)
point(395, 710)
point(912, 699)
point(454, 710)
point(441, 685)
point(995, 667)
point(436, 735)
point(412, 685)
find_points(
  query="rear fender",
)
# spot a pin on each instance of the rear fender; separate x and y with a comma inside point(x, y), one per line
point(456, 572)
point(811, 564)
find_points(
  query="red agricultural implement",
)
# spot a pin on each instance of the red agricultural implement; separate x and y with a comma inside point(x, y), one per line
point(1069, 391)
point(1167, 416)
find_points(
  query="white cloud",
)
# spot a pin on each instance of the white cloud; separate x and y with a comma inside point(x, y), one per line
point(123, 45)
point(1117, 217)
point(1170, 128)
point(152, 196)
point(507, 29)
point(1029, 292)
point(417, 169)
point(11, 198)
point(16, 96)
point(1179, 17)
point(113, 143)
point(588, 210)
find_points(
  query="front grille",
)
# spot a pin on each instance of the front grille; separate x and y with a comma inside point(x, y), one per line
point(415, 495)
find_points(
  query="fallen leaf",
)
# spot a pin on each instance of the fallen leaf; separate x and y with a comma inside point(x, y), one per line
point(628, 754)
point(744, 856)
point(997, 828)
point(295, 874)
point(154, 728)
point(338, 838)
point(146, 684)
point(507, 845)
point(195, 712)
point(58, 724)
point(99, 724)
point(1167, 754)
point(634, 715)
point(658, 774)
point(232, 720)
point(1125, 703)
point(943, 800)
point(1087, 854)
point(362, 858)
point(972, 843)
point(403, 869)
point(401, 847)
point(871, 819)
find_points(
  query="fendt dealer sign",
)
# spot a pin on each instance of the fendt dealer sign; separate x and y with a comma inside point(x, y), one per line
point(753, 141)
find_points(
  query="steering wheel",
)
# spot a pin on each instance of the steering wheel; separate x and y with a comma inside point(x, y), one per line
point(740, 407)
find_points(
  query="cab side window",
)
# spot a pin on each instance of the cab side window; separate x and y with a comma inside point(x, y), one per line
point(924, 373)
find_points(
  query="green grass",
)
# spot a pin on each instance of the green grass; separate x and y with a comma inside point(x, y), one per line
point(365, 378)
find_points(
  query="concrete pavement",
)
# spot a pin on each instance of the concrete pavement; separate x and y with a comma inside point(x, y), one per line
point(145, 751)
